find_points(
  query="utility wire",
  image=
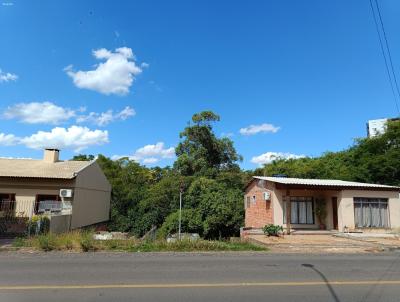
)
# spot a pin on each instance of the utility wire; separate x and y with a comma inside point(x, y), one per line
point(390, 72)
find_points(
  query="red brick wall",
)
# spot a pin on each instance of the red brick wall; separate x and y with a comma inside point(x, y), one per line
point(260, 213)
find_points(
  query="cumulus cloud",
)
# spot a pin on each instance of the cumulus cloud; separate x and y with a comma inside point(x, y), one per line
point(151, 154)
point(75, 137)
point(255, 129)
point(104, 118)
point(39, 113)
point(269, 157)
point(49, 113)
point(114, 76)
point(7, 77)
point(8, 139)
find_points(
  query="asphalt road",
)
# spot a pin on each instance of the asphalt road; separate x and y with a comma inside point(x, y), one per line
point(199, 277)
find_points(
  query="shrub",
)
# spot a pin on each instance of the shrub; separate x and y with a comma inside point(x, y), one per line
point(272, 229)
point(87, 242)
point(47, 242)
point(39, 224)
point(19, 242)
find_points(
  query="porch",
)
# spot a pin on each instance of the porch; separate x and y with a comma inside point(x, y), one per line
point(311, 210)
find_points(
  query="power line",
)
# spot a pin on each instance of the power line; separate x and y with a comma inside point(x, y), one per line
point(390, 72)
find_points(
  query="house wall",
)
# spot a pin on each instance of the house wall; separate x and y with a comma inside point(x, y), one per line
point(92, 196)
point(25, 191)
point(259, 213)
point(346, 206)
point(262, 213)
point(282, 195)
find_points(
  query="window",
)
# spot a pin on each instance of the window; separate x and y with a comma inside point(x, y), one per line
point(46, 203)
point(7, 202)
point(247, 202)
point(254, 199)
point(302, 210)
point(371, 212)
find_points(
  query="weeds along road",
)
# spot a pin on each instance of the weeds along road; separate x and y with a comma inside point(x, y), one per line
point(240, 276)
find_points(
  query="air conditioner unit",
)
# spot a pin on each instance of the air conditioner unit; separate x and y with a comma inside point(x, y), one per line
point(267, 195)
point(65, 193)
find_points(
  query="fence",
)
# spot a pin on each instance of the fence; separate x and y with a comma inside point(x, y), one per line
point(15, 215)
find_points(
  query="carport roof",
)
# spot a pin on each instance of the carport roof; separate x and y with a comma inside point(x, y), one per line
point(326, 183)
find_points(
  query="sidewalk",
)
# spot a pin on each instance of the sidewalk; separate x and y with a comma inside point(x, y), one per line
point(321, 244)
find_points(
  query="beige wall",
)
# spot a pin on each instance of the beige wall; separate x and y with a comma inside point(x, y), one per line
point(346, 206)
point(327, 195)
point(25, 191)
point(92, 196)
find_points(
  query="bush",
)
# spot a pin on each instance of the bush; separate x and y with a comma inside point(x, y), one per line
point(47, 242)
point(38, 224)
point(272, 229)
point(19, 242)
point(87, 242)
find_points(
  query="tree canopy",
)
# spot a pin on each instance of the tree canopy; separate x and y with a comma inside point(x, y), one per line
point(200, 152)
point(207, 170)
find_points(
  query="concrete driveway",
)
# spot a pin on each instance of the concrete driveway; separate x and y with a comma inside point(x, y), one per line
point(325, 244)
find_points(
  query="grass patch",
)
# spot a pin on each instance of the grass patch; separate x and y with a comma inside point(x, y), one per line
point(83, 241)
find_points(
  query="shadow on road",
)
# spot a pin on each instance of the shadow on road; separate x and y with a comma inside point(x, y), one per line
point(330, 288)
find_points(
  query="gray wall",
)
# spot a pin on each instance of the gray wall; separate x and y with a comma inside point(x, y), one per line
point(92, 194)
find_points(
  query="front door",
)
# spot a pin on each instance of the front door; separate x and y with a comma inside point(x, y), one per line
point(334, 213)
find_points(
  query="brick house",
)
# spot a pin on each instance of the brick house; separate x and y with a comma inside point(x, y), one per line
point(349, 205)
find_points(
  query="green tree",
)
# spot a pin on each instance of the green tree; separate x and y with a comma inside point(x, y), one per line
point(375, 160)
point(200, 152)
point(83, 157)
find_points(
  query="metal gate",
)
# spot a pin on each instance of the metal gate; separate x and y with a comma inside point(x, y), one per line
point(14, 217)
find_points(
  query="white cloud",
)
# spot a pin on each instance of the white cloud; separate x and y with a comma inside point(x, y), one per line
point(114, 76)
point(39, 113)
point(7, 77)
point(104, 118)
point(74, 137)
point(150, 154)
point(49, 113)
point(8, 139)
point(227, 134)
point(156, 150)
point(254, 129)
point(150, 160)
point(269, 157)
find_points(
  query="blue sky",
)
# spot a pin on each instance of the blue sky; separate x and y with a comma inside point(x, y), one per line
point(125, 77)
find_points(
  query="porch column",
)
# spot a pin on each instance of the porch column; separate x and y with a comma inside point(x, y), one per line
point(288, 212)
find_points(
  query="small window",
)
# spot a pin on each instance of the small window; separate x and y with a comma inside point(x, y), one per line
point(247, 202)
point(253, 199)
point(7, 202)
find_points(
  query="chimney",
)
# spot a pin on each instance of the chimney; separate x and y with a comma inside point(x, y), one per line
point(51, 155)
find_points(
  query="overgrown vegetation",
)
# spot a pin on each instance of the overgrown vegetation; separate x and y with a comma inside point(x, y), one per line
point(83, 241)
point(373, 160)
point(207, 170)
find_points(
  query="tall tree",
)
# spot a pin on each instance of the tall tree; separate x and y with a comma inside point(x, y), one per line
point(200, 152)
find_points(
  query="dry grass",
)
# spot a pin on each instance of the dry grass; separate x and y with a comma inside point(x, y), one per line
point(83, 241)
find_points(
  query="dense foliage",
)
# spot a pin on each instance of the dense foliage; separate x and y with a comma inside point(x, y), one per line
point(207, 171)
point(373, 160)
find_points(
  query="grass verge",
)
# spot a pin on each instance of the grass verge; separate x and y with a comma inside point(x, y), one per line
point(83, 241)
